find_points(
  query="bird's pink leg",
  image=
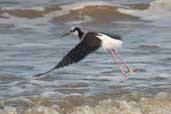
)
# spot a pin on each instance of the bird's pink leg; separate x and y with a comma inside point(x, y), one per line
point(121, 70)
point(123, 62)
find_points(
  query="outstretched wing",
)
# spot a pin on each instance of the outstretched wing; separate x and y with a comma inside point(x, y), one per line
point(84, 48)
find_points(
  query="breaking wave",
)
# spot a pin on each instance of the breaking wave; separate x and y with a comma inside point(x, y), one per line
point(121, 104)
point(84, 12)
point(76, 13)
point(158, 12)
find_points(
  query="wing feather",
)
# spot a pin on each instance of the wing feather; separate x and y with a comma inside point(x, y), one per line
point(83, 49)
point(78, 53)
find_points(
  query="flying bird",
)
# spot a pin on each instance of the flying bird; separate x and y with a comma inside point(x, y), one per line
point(90, 42)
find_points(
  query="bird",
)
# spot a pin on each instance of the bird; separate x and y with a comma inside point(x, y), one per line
point(90, 42)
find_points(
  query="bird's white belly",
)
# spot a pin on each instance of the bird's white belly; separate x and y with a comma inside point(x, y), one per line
point(108, 42)
point(112, 44)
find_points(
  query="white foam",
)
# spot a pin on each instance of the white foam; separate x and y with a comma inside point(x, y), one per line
point(57, 13)
point(133, 103)
point(48, 94)
point(81, 5)
point(5, 14)
point(164, 75)
point(38, 8)
point(35, 110)
point(44, 110)
point(86, 19)
point(159, 12)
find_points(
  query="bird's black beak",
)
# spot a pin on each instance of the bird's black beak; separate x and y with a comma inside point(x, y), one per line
point(66, 34)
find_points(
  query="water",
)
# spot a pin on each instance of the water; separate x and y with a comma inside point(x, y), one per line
point(30, 44)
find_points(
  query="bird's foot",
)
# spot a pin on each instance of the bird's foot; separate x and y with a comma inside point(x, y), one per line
point(130, 70)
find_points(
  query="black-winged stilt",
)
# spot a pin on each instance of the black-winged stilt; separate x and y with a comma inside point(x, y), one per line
point(90, 42)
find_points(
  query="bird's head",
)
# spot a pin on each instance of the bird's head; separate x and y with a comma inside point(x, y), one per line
point(76, 31)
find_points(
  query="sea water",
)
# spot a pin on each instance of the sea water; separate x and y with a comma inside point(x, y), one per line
point(30, 43)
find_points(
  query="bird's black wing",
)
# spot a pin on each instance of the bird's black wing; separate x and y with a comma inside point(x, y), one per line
point(84, 48)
